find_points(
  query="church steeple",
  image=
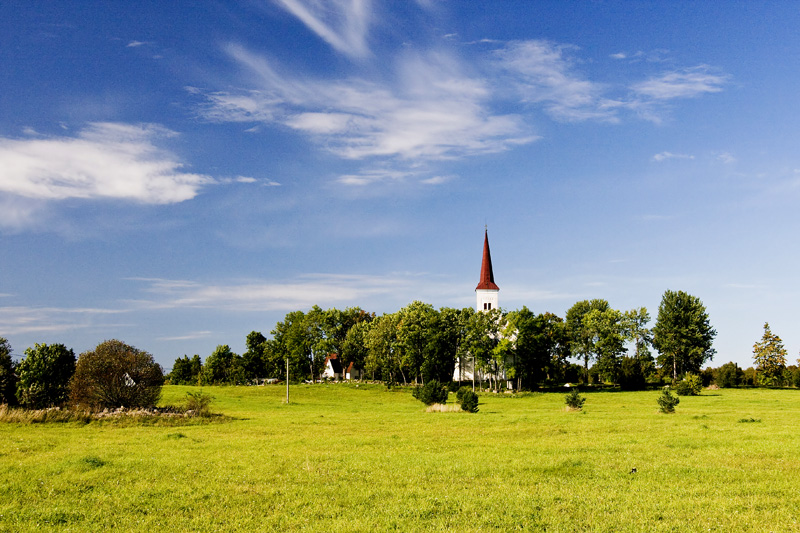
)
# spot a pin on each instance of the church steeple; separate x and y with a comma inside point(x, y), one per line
point(487, 289)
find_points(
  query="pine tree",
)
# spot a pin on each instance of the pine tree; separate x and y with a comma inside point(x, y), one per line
point(769, 356)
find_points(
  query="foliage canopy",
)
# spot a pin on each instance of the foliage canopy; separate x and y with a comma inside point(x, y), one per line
point(116, 375)
point(44, 375)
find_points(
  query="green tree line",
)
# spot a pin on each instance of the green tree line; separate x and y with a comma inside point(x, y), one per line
point(592, 343)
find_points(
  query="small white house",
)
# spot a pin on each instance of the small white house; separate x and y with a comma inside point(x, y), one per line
point(352, 372)
point(333, 367)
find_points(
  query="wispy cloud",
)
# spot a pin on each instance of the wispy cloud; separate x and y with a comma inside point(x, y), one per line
point(370, 176)
point(683, 83)
point(299, 293)
point(433, 111)
point(726, 158)
point(664, 156)
point(343, 24)
point(106, 160)
point(187, 337)
point(436, 106)
point(545, 75)
point(21, 320)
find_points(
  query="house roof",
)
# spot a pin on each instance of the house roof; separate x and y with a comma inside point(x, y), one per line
point(487, 276)
point(336, 365)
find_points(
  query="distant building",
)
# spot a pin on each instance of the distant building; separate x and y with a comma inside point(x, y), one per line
point(487, 291)
point(333, 368)
point(486, 299)
point(352, 372)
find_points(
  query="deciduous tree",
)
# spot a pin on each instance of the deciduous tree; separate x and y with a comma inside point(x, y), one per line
point(44, 375)
point(115, 374)
point(8, 378)
point(582, 338)
point(683, 335)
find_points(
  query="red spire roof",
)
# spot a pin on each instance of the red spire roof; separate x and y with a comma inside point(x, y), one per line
point(487, 276)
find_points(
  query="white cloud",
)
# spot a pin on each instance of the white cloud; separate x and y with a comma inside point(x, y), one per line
point(343, 24)
point(303, 292)
point(433, 110)
point(370, 176)
point(726, 158)
point(188, 337)
point(106, 160)
point(663, 156)
point(684, 83)
point(437, 180)
point(20, 320)
point(545, 76)
point(136, 44)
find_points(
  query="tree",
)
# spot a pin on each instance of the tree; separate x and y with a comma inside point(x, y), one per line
point(445, 342)
point(683, 335)
point(186, 371)
point(382, 348)
point(582, 338)
point(44, 375)
point(115, 374)
point(606, 331)
point(253, 364)
point(729, 375)
point(8, 377)
point(636, 332)
point(413, 335)
point(539, 346)
point(290, 343)
point(223, 366)
point(354, 348)
point(769, 356)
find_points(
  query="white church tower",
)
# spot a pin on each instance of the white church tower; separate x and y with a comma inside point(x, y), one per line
point(486, 293)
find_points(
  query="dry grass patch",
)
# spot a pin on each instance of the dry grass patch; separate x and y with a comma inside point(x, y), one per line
point(444, 408)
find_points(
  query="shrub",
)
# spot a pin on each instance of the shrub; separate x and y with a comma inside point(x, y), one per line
point(461, 391)
point(432, 392)
point(667, 402)
point(199, 402)
point(690, 385)
point(574, 400)
point(469, 401)
point(44, 375)
point(116, 375)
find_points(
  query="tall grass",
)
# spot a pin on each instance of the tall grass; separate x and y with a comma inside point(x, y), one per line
point(340, 458)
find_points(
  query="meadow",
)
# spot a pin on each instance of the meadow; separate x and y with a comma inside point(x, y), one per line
point(347, 458)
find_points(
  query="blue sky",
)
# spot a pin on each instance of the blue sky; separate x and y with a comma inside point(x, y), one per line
point(176, 175)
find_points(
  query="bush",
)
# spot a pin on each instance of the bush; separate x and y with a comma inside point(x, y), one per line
point(574, 400)
point(461, 391)
point(199, 402)
point(116, 375)
point(690, 385)
point(667, 402)
point(432, 392)
point(469, 401)
point(44, 376)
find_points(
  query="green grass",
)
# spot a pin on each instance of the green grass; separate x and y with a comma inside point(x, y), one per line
point(340, 458)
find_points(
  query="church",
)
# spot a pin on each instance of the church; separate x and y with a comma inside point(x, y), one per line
point(486, 298)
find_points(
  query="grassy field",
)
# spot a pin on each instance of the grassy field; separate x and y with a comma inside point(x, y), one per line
point(341, 458)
